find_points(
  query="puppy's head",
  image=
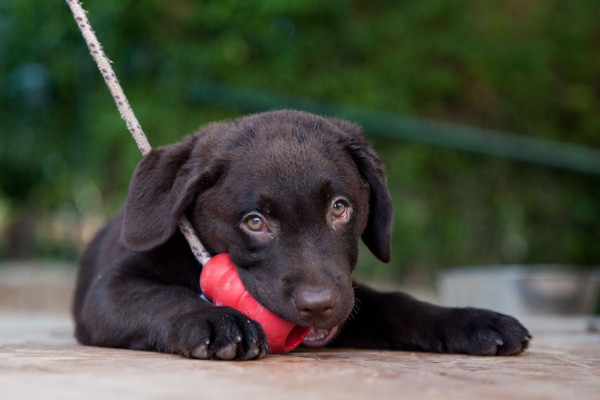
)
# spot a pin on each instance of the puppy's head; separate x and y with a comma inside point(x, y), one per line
point(287, 194)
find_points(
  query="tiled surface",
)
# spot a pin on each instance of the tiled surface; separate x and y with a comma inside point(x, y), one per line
point(40, 359)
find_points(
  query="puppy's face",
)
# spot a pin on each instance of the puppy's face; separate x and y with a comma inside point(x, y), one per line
point(286, 194)
point(289, 210)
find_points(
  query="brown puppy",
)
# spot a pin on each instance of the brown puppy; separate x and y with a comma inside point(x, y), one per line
point(288, 195)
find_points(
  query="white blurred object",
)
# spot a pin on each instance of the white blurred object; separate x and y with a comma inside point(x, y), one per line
point(522, 290)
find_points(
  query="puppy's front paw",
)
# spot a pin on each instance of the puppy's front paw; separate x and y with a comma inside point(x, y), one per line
point(222, 333)
point(481, 332)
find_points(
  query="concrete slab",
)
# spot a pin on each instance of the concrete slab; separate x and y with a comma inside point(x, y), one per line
point(40, 359)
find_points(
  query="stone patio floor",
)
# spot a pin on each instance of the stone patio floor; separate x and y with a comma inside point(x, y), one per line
point(39, 359)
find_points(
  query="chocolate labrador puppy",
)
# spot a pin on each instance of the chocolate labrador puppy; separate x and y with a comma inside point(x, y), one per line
point(288, 195)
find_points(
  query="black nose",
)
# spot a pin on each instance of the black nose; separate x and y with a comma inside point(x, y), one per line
point(315, 306)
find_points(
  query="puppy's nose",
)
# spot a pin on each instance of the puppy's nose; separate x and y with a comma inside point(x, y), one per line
point(315, 306)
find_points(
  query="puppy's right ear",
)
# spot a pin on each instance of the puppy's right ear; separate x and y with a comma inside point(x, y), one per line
point(377, 233)
point(164, 185)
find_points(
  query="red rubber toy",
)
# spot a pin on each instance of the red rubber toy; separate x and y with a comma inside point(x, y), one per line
point(221, 284)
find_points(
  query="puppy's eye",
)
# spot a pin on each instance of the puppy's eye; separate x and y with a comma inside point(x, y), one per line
point(339, 210)
point(255, 224)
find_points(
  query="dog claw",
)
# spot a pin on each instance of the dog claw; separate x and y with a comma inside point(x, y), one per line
point(201, 351)
point(227, 352)
point(263, 352)
point(252, 352)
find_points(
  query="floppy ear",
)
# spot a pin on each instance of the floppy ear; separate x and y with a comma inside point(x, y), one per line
point(163, 186)
point(377, 234)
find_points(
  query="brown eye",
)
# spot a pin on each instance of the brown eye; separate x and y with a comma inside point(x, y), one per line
point(255, 223)
point(338, 209)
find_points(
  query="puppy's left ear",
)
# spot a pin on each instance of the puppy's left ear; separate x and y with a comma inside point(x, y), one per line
point(163, 186)
point(377, 234)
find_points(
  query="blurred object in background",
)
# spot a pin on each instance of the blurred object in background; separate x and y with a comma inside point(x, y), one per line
point(38, 286)
point(523, 290)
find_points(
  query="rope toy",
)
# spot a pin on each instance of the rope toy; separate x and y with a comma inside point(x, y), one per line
point(219, 279)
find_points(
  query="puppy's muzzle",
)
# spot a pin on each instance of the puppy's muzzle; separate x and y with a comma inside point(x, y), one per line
point(315, 307)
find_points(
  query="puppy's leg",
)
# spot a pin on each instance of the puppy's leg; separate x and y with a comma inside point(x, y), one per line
point(398, 321)
point(126, 308)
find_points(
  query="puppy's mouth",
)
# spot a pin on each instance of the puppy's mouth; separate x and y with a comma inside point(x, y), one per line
point(318, 337)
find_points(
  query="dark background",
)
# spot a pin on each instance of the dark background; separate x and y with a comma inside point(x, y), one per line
point(427, 79)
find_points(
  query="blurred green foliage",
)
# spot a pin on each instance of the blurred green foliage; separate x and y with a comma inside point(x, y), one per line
point(531, 67)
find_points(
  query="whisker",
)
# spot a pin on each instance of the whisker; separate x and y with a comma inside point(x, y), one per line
point(355, 309)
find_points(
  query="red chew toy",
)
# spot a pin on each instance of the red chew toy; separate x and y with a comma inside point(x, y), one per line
point(221, 284)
